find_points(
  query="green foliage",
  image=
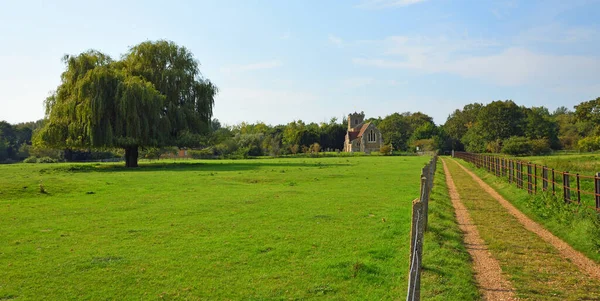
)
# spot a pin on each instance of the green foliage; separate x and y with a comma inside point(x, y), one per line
point(31, 159)
point(46, 160)
point(206, 153)
point(494, 146)
point(395, 131)
point(540, 147)
point(3, 150)
point(541, 125)
point(154, 97)
point(517, 146)
point(589, 144)
point(424, 144)
point(589, 111)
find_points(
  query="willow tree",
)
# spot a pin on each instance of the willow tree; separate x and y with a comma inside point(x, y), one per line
point(154, 96)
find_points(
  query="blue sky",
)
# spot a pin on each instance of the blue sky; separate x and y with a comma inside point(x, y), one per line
point(278, 61)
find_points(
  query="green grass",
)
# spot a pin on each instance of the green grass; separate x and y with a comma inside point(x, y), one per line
point(332, 228)
point(447, 266)
point(576, 225)
point(585, 164)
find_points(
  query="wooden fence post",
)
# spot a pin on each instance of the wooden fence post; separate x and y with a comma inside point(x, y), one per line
point(510, 171)
point(597, 186)
point(497, 167)
point(544, 178)
point(529, 182)
point(553, 183)
point(424, 199)
point(519, 183)
point(416, 252)
point(535, 178)
point(566, 187)
point(578, 189)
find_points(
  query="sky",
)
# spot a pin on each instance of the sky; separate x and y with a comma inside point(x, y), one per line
point(278, 61)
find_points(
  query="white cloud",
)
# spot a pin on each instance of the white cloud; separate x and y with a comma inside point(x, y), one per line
point(234, 69)
point(286, 35)
point(377, 4)
point(336, 40)
point(484, 60)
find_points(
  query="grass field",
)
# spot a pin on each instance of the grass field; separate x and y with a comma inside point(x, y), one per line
point(585, 164)
point(300, 228)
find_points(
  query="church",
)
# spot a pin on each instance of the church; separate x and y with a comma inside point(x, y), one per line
point(361, 136)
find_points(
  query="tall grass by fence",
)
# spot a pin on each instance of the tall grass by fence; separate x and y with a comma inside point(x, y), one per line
point(574, 188)
point(420, 209)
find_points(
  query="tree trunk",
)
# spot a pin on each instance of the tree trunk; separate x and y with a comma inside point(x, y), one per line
point(131, 156)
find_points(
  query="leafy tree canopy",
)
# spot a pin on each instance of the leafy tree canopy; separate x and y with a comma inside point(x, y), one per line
point(154, 96)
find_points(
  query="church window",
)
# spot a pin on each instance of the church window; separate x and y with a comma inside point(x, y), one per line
point(371, 136)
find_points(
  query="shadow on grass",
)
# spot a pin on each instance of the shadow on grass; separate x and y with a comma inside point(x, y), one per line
point(178, 166)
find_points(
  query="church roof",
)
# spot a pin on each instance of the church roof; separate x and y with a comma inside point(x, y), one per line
point(363, 129)
point(354, 135)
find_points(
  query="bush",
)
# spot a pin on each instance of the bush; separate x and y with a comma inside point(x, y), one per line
point(385, 149)
point(315, 148)
point(589, 144)
point(540, 147)
point(206, 153)
point(46, 160)
point(31, 159)
point(516, 146)
point(494, 146)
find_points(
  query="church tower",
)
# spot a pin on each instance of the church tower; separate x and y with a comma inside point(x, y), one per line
point(354, 120)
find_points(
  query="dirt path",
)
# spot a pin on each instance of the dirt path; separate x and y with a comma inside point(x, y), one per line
point(488, 273)
point(583, 262)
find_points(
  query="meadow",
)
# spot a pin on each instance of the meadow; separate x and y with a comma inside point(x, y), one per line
point(585, 164)
point(295, 228)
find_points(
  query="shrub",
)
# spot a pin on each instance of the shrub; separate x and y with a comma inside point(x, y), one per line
point(206, 153)
point(47, 160)
point(424, 144)
point(494, 146)
point(589, 144)
point(31, 159)
point(386, 149)
point(315, 148)
point(516, 146)
point(294, 149)
point(540, 147)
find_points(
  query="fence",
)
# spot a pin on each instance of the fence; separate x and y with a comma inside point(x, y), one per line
point(573, 188)
point(420, 209)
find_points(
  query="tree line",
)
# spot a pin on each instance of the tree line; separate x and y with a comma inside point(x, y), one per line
point(503, 126)
point(500, 126)
point(154, 100)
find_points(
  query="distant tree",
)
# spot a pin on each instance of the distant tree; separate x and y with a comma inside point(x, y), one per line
point(539, 124)
point(395, 130)
point(589, 111)
point(154, 96)
point(459, 122)
point(500, 120)
point(215, 125)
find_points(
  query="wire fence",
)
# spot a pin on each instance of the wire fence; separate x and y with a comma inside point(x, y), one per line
point(420, 210)
point(572, 187)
